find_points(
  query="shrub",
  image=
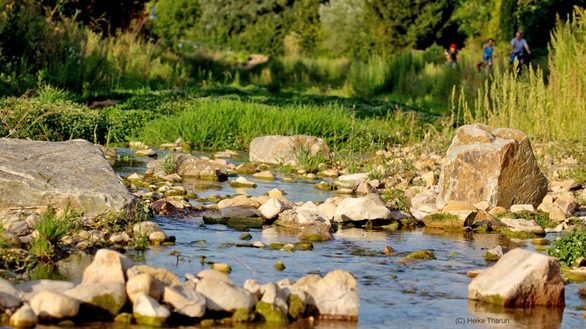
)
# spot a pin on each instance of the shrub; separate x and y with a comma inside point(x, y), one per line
point(569, 248)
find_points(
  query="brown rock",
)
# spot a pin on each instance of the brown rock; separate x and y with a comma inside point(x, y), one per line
point(520, 278)
point(494, 165)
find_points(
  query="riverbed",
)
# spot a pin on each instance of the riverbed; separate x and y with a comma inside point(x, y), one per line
point(393, 294)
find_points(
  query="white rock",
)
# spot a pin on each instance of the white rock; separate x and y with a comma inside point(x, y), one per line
point(53, 305)
point(185, 301)
point(223, 296)
point(107, 266)
point(522, 207)
point(148, 311)
point(143, 284)
point(109, 296)
point(272, 208)
point(24, 317)
point(335, 295)
point(369, 207)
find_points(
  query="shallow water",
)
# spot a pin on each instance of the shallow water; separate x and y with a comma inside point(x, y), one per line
point(425, 294)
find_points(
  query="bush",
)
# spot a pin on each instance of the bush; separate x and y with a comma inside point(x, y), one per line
point(569, 248)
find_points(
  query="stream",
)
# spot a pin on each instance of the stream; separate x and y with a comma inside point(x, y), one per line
point(421, 294)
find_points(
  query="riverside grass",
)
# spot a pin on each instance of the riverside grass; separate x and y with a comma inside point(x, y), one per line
point(217, 124)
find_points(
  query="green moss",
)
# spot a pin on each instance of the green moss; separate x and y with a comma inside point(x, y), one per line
point(270, 313)
point(323, 186)
point(124, 318)
point(279, 266)
point(296, 307)
point(516, 235)
point(493, 299)
point(314, 238)
point(245, 236)
point(304, 245)
point(149, 320)
point(108, 303)
point(542, 218)
point(394, 226)
point(425, 254)
point(490, 257)
point(244, 223)
point(243, 315)
point(276, 246)
point(444, 221)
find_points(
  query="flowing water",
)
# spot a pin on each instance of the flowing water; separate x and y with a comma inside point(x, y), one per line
point(421, 294)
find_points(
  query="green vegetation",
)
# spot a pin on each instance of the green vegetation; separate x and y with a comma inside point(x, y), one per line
point(52, 227)
point(542, 218)
point(171, 163)
point(569, 248)
point(220, 124)
point(547, 107)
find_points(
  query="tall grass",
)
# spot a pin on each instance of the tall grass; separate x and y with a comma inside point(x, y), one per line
point(552, 111)
point(216, 124)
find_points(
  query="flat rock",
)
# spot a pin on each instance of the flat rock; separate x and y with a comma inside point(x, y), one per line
point(283, 149)
point(31, 288)
point(37, 174)
point(520, 278)
point(491, 164)
point(523, 225)
point(239, 207)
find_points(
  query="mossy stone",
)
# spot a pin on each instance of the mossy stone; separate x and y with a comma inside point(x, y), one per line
point(149, 320)
point(242, 315)
point(276, 246)
point(279, 266)
point(124, 318)
point(490, 257)
point(296, 307)
point(271, 314)
point(245, 236)
point(304, 245)
point(425, 254)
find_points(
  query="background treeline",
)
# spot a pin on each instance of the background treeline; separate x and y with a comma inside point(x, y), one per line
point(89, 45)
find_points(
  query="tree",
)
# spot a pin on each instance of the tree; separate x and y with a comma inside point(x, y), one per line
point(401, 24)
point(343, 26)
point(176, 19)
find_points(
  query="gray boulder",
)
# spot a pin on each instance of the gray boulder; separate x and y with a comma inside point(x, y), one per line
point(36, 174)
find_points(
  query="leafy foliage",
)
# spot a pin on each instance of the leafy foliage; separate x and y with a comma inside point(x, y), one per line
point(569, 248)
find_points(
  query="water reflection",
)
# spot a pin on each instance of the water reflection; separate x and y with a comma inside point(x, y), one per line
point(492, 316)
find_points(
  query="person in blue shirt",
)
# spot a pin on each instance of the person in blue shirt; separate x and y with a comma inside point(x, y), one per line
point(519, 49)
point(487, 53)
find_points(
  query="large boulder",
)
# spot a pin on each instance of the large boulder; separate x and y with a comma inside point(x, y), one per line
point(521, 278)
point(491, 164)
point(185, 300)
point(284, 149)
point(36, 174)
